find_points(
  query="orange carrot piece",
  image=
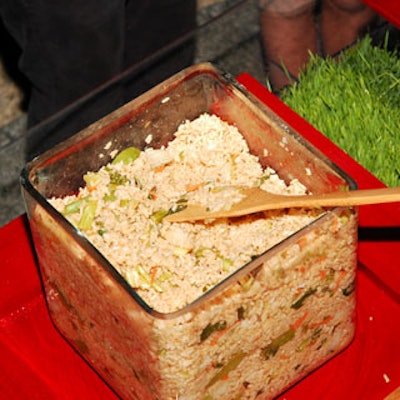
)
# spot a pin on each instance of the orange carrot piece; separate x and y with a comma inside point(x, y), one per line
point(299, 321)
point(322, 274)
point(152, 193)
point(336, 226)
point(340, 279)
point(192, 188)
point(160, 168)
point(153, 274)
point(320, 323)
point(321, 258)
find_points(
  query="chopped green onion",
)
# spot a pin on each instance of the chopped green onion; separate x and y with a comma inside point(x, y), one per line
point(272, 348)
point(140, 278)
point(226, 264)
point(300, 301)
point(349, 289)
point(88, 214)
point(125, 203)
point(228, 367)
point(211, 328)
point(110, 196)
point(127, 156)
point(200, 252)
point(73, 207)
point(158, 215)
point(309, 341)
point(92, 179)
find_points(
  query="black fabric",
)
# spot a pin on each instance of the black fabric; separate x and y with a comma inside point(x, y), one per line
point(70, 48)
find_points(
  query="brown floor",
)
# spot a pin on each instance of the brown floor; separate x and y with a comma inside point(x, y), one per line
point(11, 98)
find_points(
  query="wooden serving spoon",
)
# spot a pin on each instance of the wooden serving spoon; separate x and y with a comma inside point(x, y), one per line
point(395, 395)
point(256, 199)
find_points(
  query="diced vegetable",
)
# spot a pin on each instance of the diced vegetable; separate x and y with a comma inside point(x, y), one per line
point(246, 282)
point(139, 278)
point(300, 301)
point(177, 207)
point(349, 289)
point(192, 188)
point(127, 156)
point(228, 367)
point(271, 349)
point(226, 264)
point(125, 203)
point(310, 340)
point(324, 321)
point(88, 214)
point(118, 179)
point(73, 207)
point(110, 196)
point(211, 328)
point(152, 193)
point(241, 313)
point(158, 215)
point(92, 179)
point(300, 320)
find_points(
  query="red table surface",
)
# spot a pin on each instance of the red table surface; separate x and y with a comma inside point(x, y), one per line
point(388, 9)
point(37, 363)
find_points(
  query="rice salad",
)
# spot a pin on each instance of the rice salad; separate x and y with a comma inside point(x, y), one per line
point(224, 309)
point(121, 207)
point(270, 322)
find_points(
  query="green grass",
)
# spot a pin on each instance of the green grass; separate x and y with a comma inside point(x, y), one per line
point(354, 100)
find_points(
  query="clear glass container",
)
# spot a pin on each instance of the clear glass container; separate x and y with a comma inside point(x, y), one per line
point(253, 335)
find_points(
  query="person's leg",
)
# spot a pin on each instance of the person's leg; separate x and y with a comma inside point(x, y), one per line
point(67, 49)
point(160, 33)
point(342, 22)
point(288, 35)
point(71, 48)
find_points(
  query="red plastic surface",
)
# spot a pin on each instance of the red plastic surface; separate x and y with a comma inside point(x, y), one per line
point(388, 9)
point(37, 363)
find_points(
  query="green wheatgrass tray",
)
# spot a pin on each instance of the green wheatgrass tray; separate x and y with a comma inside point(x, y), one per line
point(354, 99)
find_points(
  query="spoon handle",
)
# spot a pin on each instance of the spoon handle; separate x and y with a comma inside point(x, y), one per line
point(257, 200)
point(349, 198)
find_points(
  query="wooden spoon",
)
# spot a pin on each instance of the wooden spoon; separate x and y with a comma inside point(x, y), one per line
point(256, 200)
point(395, 395)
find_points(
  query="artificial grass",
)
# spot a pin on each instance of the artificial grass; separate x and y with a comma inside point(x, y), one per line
point(354, 99)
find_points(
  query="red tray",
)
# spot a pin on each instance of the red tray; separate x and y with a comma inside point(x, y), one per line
point(388, 9)
point(36, 362)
